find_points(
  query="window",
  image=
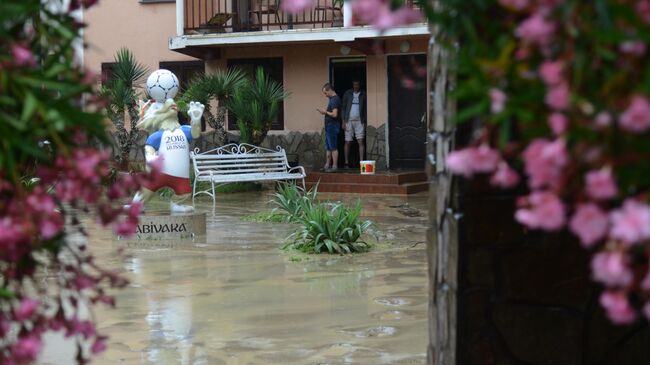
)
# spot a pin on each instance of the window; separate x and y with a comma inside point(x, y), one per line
point(184, 70)
point(107, 72)
point(273, 68)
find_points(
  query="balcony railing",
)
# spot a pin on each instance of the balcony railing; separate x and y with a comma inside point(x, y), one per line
point(221, 16)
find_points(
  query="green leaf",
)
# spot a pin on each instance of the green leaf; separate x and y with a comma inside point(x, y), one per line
point(29, 107)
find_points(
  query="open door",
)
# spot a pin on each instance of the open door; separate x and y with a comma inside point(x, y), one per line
point(342, 72)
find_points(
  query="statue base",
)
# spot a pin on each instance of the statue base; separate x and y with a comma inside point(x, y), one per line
point(161, 225)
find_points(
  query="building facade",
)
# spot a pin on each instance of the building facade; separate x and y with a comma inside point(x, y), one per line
point(302, 52)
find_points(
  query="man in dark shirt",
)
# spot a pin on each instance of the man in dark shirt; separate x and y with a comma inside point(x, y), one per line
point(332, 127)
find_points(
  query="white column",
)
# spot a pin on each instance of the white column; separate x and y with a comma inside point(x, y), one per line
point(180, 17)
point(347, 13)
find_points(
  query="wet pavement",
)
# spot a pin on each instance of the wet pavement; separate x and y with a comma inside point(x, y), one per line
point(234, 298)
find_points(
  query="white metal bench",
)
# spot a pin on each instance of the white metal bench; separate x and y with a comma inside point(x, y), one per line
point(239, 163)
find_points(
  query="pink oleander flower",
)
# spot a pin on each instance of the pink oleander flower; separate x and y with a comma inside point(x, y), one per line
point(459, 162)
point(386, 18)
point(603, 120)
point(536, 29)
point(551, 72)
point(99, 345)
point(504, 177)
point(612, 268)
point(617, 307)
point(22, 55)
point(643, 10)
point(636, 118)
point(497, 100)
point(558, 123)
point(408, 83)
point(600, 184)
point(635, 48)
point(589, 223)
point(26, 349)
point(515, 4)
point(51, 225)
point(472, 160)
point(367, 10)
point(485, 159)
point(86, 162)
point(558, 96)
point(26, 309)
point(631, 223)
point(544, 161)
point(543, 210)
point(10, 232)
point(296, 6)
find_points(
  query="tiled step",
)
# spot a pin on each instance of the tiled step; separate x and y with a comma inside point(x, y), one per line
point(383, 182)
point(357, 178)
point(397, 189)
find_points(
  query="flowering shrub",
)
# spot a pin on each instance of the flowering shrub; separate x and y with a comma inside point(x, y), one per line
point(51, 171)
point(562, 90)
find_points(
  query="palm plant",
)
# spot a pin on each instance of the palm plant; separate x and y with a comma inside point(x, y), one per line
point(220, 87)
point(121, 91)
point(255, 106)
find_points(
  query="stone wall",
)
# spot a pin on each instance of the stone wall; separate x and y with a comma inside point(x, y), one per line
point(527, 298)
point(306, 149)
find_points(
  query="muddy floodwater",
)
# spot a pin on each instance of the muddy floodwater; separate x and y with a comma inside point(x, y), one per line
point(234, 298)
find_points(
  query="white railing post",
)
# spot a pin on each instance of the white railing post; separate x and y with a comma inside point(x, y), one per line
point(180, 17)
point(347, 13)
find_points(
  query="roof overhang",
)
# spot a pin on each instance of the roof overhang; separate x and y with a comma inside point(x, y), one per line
point(200, 45)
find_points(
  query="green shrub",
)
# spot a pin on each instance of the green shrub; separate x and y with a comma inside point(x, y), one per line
point(334, 228)
point(289, 197)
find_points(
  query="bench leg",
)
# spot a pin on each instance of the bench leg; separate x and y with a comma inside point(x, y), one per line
point(304, 187)
point(214, 193)
point(194, 190)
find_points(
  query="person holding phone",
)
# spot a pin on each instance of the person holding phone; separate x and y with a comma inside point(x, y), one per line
point(332, 127)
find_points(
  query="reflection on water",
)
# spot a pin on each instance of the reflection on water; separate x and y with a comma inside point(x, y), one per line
point(234, 298)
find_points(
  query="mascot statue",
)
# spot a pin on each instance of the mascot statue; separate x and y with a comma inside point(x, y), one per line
point(168, 140)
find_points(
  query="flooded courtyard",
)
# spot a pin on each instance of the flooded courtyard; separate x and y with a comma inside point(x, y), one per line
point(235, 298)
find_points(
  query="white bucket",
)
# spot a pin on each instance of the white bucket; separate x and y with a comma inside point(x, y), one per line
point(367, 167)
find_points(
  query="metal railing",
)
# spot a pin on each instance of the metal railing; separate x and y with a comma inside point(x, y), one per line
point(221, 16)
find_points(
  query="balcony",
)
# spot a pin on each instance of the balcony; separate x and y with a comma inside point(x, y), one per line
point(225, 16)
point(233, 16)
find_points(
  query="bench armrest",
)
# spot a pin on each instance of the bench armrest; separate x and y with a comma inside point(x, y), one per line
point(298, 168)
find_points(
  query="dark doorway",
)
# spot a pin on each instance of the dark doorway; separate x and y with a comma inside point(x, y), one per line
point(407, 109)
point(342, 72)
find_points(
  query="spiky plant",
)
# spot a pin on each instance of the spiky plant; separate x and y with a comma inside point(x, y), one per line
point(332, 228)
point(122, 92)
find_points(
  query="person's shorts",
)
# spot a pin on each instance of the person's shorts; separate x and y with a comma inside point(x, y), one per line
point(331, 136)
point(354, 129)
point(180, 185)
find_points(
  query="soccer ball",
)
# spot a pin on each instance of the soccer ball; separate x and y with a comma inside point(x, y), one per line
point(162, 85)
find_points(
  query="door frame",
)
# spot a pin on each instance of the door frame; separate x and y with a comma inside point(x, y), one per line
point(358, 57)
point(386, 55)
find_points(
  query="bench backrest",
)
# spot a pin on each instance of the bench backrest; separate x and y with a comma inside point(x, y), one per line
point(240, 159)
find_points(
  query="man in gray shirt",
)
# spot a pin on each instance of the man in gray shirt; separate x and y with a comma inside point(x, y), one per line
point(354, 119)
